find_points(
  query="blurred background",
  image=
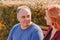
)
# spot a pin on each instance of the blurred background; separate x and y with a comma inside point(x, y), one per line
point(8, 14)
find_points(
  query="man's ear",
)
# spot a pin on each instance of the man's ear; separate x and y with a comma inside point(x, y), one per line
point(17, 18)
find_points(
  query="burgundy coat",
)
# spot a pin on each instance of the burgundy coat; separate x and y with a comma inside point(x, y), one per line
point(55, 37)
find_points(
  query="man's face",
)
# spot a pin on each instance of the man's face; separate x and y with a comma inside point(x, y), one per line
point(24, 17)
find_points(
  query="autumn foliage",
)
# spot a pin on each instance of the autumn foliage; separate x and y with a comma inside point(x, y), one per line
point(8, 18)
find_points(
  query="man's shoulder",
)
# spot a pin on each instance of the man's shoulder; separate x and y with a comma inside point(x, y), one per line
point(37, 30)
point(36, 27)
point(15, 26)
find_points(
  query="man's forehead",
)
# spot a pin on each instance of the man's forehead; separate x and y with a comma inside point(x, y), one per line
point(24, 12)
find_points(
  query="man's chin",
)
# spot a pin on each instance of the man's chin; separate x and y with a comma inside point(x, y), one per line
point(27, 25)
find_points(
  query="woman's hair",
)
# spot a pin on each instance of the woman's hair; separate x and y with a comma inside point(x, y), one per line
point(54, 14)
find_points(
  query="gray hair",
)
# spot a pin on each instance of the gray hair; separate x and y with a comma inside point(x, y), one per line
point(23, 8)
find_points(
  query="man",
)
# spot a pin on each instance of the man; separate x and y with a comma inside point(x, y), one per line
point(25, 30)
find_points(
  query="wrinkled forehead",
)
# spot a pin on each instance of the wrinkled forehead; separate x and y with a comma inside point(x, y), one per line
point(23, 10)
point(24, 13)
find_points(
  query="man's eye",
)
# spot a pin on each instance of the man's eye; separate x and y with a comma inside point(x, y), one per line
point(28, 16)
point(23, 17)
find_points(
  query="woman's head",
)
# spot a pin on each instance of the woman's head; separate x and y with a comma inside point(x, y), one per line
point(53, 15)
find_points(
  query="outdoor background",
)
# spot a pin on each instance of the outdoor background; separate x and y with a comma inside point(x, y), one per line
point(8, 13)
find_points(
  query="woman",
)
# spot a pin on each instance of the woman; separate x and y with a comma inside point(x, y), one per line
point(53, 20)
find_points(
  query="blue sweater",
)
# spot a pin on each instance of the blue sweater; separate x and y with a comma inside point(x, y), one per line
point(34, 32)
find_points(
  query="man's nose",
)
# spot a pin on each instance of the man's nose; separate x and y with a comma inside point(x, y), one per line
point(26, 18)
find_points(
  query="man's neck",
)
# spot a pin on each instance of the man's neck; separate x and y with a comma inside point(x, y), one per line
point(25, 27)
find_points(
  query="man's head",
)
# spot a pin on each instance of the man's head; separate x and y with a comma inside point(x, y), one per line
point(24, 15)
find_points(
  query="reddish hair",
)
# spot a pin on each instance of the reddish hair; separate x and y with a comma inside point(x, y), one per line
point(54, 14)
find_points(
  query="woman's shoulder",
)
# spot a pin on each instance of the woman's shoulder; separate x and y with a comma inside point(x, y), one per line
point(48, 32)
point(57, 35)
